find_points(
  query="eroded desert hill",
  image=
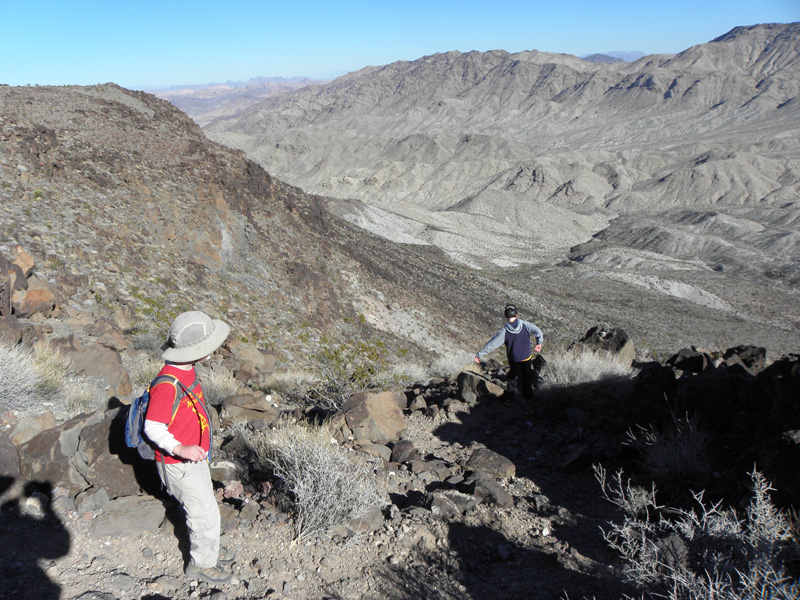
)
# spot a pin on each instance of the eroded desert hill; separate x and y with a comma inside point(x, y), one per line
point(516, 158)
point(131, 211)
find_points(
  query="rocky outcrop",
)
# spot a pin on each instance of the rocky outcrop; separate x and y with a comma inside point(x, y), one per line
point(608, 339)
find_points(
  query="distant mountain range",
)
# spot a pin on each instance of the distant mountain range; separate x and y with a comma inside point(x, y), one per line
point(501, 142)
point(205, 101)
point(609, 57)
point(656, 173)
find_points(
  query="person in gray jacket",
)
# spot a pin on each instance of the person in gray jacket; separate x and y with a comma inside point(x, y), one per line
point(516, 335)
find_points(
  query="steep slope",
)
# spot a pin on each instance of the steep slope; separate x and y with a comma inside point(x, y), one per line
point(126, 205)
point(459, 143)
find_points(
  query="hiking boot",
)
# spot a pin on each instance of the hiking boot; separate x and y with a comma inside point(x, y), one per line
point(209, 574)
point(226, 557)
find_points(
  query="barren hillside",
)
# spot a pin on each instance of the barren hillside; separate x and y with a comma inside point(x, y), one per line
point(119, 196)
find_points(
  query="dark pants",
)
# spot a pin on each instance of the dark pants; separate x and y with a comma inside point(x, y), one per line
point(522, 372)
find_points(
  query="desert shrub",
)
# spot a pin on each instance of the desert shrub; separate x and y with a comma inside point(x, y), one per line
point(147, 340)
point(576, 367)
point(704, 553)
point(218, 387)
point(30, 378)
point(328, 487)
point(77, 395)
point(52, 367)
point(346, 367)
point(678, 453)
point(451, 365)
point(145, 371)
point(284, 381)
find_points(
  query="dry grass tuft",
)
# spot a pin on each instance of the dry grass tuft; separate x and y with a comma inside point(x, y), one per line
point(576, 367)
point(218, 387)
point(31, 378)
point(282, 382)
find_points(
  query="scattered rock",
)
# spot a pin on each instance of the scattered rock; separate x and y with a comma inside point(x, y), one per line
point(491, 462)
point(128, 516)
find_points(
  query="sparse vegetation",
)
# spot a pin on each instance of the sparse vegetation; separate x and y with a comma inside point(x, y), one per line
point(145, 372)
point(704, 553)
point(148, 340)
point(29, 378)
point(676, 454)
point(576, 367)
point(346, 368)
point(328, 487)
point(284, 381)
point(218, 387)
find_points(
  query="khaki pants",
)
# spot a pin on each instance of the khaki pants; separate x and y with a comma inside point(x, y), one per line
point(190, 484)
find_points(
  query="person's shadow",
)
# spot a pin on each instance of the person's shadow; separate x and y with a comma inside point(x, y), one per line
point(30, 535)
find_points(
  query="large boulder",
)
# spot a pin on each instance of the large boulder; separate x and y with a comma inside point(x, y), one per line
point(40, 297)
point(99, 361)
point(473, 387)
point(129, 516)
point(107, 463)
point(251, 363)
point(50, 456)
point(751, 358)
point(11, 330)
point(492, 463)
point(29, 427)
point(23, 260)
point(374, 417)
point(691, 359)
point(11, 480)
point(247, 408)
point(608, 339)
point(12, 281)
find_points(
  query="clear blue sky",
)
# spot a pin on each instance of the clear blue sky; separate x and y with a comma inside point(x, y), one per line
point(155, 44)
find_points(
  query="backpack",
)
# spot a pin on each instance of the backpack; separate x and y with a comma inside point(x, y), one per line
point(134, 425)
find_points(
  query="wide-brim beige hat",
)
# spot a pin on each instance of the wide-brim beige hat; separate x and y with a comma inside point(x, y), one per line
point(194, 335)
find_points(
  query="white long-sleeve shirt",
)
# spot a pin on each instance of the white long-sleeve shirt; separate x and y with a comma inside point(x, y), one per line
point(159, 434)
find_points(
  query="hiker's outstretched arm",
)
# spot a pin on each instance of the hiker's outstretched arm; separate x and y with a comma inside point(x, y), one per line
point(493, 344)
point(536, 332)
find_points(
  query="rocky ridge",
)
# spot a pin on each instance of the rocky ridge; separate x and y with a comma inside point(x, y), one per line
point(478, 497)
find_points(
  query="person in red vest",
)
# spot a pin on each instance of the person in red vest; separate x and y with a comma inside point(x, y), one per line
point(178, 422)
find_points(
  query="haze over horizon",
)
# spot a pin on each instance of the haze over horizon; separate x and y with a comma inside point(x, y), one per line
point(150, 45)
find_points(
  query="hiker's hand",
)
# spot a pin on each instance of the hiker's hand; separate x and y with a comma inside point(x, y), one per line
point(190, 453)
point(538, 348)
point(477, 360)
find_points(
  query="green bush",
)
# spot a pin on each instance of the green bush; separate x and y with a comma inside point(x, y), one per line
point(346, 367)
